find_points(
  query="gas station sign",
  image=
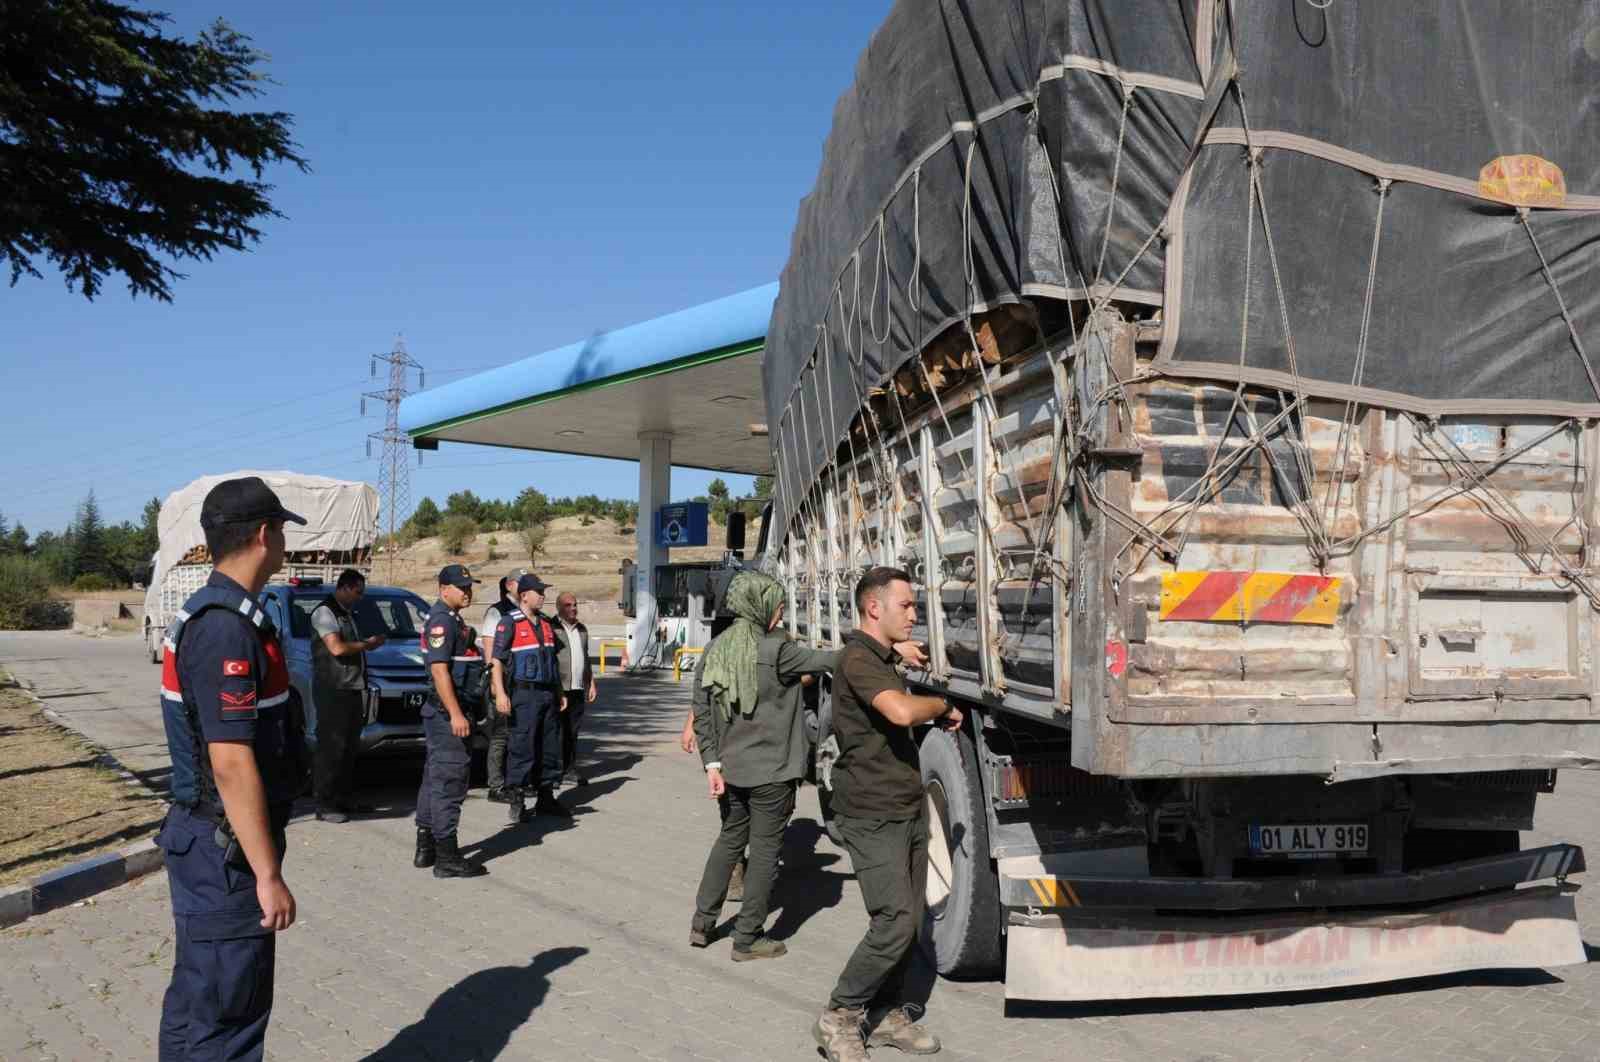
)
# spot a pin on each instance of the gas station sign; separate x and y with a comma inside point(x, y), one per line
point(682, 524)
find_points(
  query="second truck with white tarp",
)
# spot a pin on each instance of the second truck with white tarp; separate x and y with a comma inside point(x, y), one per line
point(341, 527)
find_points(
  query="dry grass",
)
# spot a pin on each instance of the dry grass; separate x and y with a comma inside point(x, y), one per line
point(584, 560)
point(57, 804)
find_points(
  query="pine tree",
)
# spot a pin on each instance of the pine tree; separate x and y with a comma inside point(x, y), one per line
point(89, 553)
point(149, 528)
point(122, 144)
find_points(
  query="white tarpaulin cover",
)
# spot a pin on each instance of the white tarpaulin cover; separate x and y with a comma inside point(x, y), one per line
point(340, 514)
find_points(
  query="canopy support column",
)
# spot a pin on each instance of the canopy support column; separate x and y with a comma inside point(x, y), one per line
point(655, 490)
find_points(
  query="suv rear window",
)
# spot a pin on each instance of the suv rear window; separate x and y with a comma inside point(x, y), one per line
point(398, 616)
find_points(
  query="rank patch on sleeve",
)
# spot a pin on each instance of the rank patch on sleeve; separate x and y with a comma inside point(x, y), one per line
point(238, 702)
point(235, 668)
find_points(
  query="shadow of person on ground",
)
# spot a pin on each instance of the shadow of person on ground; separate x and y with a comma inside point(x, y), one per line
point(805, 886)
point(513, 838)
point(475, 1018)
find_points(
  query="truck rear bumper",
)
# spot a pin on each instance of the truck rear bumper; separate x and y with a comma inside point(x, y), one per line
point(1045, 891)
point(1077, 955)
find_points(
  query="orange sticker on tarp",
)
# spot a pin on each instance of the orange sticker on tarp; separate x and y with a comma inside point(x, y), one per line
point(1523, 180)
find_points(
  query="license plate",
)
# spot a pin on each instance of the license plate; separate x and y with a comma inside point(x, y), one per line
point(415, 700)
point(1309, 839)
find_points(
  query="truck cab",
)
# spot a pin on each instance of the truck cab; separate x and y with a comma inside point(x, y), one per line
point(397, 679)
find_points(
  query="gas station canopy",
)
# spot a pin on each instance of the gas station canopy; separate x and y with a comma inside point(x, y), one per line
point(693, 375)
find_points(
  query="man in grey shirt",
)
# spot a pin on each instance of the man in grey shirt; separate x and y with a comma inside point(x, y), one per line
point(339, 686)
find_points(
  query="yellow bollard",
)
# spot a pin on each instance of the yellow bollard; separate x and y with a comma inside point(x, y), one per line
point(677, 661)
point(621, 644)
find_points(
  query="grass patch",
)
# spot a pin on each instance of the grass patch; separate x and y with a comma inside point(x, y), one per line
point(58, 803)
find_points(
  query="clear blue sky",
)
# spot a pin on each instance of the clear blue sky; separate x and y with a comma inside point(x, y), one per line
point(492, 182)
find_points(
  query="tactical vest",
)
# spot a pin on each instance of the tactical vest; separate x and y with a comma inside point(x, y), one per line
point(533, 651)
point(339, 672)
point(280, 718)
point(469, 674)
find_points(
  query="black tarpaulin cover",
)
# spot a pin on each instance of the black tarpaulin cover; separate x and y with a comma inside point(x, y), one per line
point(1427, 176)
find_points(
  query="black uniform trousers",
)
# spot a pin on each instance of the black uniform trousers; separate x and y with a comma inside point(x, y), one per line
point(755, 816)
point(890, 858)
point(340, 715)
point(535, 736)
point(571, 722)
point(220, 997)
point(445, 773)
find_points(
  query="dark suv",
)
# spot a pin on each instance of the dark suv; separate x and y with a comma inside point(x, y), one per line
point(397, 681)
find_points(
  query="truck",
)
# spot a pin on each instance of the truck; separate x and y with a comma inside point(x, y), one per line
point(1220, 375)
point(342, 525)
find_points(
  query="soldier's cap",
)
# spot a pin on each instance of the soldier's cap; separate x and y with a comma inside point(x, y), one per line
point(510, 580)
point(458, 576)
point(246, 500)
point(530, 581)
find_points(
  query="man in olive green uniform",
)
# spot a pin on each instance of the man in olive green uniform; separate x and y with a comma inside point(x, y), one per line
point(750, 730)
point(879, 807)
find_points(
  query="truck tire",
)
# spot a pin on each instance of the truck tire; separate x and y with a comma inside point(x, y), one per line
point(829, 824)
point(961, 933)
point(153, 642)
point(824, 729)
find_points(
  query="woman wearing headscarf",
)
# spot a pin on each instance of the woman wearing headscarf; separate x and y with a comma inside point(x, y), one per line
point(750, 728)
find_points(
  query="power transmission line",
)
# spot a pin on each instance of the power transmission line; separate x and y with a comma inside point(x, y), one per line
point(394, 471)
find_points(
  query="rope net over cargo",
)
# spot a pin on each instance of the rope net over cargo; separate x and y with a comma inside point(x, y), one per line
point(1308, 211)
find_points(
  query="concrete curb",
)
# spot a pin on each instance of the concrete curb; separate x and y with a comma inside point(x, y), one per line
point(78, 881)
point(87, 877)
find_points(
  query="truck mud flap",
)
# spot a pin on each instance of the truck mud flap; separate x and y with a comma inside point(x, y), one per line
point(1078, 956)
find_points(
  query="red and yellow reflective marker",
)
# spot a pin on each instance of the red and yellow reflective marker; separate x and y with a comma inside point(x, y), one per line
point(1250, 597)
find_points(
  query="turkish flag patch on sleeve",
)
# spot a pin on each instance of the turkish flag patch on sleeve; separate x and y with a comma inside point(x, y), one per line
point(235, 668)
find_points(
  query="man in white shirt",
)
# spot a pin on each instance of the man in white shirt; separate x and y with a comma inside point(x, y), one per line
point(577, 680)
point(498, 732)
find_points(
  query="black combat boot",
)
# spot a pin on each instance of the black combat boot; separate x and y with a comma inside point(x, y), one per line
point(514, 804)
point(547, 804)
point(452, 864)
point(426, 852)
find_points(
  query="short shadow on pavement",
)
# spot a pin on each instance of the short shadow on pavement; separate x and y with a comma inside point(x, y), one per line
point(509, 838)
point(474, 1020)
point(805, 886)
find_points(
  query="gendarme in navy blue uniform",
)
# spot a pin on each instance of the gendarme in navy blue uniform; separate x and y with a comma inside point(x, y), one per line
point(527, 649)
point(224, 679)
point(445, 640)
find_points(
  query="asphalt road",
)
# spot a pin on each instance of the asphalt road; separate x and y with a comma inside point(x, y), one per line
point(575, 946)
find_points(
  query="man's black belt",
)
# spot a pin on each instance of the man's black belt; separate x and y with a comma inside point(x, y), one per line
point(208, 811)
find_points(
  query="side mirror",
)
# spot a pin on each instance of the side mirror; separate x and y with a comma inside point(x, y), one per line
point(736, 532)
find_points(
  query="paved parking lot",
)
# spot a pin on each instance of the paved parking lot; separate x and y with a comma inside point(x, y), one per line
point(574, 947)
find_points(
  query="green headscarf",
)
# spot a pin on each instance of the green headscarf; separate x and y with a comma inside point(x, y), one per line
point(729, 668)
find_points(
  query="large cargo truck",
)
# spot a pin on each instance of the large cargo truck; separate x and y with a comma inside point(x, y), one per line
point(341, 527)
point(1240, 442)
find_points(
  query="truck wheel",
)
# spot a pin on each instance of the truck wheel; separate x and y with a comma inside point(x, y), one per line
point(961, 935)
point(153, 641)
point(824, 729)
point(829, 824)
